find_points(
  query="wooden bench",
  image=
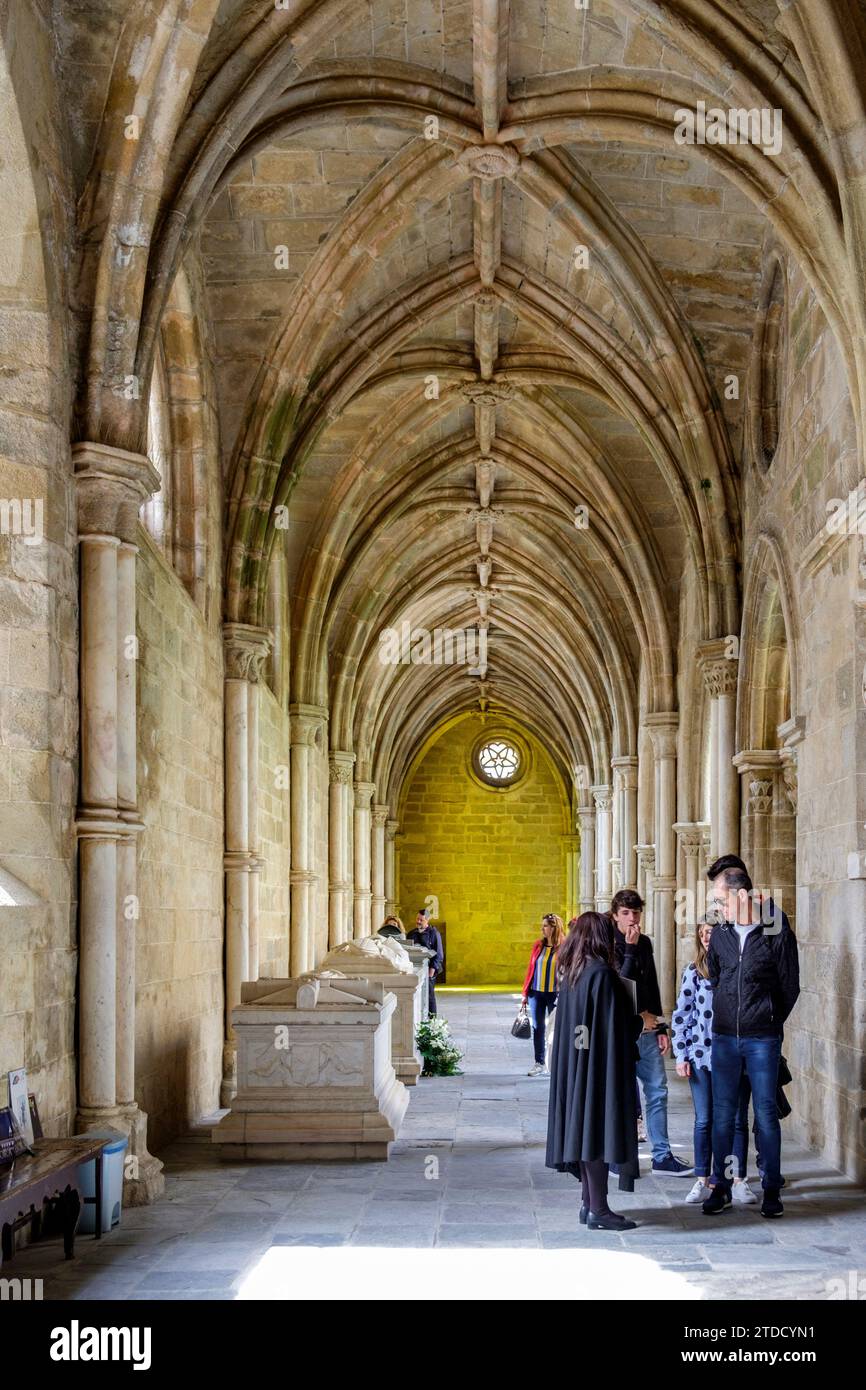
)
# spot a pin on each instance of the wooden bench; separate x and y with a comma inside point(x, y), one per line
point(50, 1177)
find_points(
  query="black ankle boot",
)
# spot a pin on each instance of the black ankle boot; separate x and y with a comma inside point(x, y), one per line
point(584, 1212)
point(771, 1206)
point(608, 1221)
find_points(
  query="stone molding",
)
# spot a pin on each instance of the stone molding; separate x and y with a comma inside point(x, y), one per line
point(246, 649)
point(719, 671)
point(340, 768)
point(307, 722)
point(364, 793)
point(489, 162)
point(110, 486)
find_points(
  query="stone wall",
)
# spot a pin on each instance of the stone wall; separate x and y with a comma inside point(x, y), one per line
point(493, 857)
point(274, 835)
point(179, 1022)
point(816, 462)
point(38, 585)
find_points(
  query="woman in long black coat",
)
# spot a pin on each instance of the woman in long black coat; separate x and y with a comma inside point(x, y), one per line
point(592, 1116)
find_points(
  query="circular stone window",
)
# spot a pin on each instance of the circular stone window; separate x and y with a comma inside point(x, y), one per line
point(498, 761)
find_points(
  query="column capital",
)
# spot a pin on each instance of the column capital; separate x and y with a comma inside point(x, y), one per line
point(380, 815)
point(307, 722)
point(603, 797)
point(364, 793)
point(718, 667)
point(110, 486)
point(663, 729)
point(246, 648)
point(761, 796)
point(757, 760)
point(586, 814)
point(392, 829)
point(646, 857)
point(624, 773)
point(340, 767)
point(690, 835)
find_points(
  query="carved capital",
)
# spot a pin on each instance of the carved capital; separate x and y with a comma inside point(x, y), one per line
point(603, 798)
point(110, 487)
point(364, 793)
point(245, 649)
point(718, 669)
point(790, 776)
point(663, 729)
point(690, 836)
point(624, 773)
point(340, 768)
point(392, 830)
point(760, 798)
point(307, 723)
point(380, 816)
point(489, 162)
point(488, 392)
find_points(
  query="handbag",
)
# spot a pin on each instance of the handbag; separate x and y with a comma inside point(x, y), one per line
point(521, 1027)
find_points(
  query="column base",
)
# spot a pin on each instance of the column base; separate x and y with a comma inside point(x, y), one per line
point(143, 1181)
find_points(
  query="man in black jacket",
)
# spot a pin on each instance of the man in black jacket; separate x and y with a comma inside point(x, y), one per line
point(635, 961)
point(755, 976)
point(424, 935)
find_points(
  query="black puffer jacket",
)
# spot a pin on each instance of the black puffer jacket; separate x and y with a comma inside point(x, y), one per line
point(753, 994)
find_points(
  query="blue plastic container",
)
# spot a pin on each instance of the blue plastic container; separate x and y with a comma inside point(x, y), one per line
point(112, 1182)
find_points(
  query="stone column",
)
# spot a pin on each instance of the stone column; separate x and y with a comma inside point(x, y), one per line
point(603, 806)
point(364, 792)
point(307, 735)
point(759, 770)
point(111, 485)
point(586, 821)
point(625, 797)
point(392, 829)
point(377, 847)
point(719, 672)
point(646, 863)
point(663, 732)
point(339, 867)
point(571, 850)
point(691, 893)
point(245, 648)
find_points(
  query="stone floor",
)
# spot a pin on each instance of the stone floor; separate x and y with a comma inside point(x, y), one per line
point(466, 1192)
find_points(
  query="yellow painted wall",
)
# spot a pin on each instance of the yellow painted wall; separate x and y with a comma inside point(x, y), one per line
point(493, 858)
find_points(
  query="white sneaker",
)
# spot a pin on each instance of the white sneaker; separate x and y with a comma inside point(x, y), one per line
point(741, 1192)
point(700, 1192)
point(537, 1070)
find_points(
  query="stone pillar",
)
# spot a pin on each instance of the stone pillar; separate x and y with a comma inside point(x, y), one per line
point(392, 829)
point(111, 485)
point(245, 649)
point(364, 792)
point(339, 840)
point(586, 821)
point(603, 806)
point(719, 672)
point(307, 735)
point(646, 863)
point(663, 728)
point(625, 798)
point(571, 852)
point(691, 891)
point(759, 770)
point(377, 849)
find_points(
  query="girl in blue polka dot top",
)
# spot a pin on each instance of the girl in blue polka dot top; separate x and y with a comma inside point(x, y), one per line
point(692, 1037)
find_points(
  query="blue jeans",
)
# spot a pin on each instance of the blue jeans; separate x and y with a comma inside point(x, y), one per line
point(651, 1074)
point(757, 1059)
point(540, 1005)
point(701, 1083)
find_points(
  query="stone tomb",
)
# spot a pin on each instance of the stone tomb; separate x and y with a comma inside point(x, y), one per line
point(315, 1078)
point(385, 960)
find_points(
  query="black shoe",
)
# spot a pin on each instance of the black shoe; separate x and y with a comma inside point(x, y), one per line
point(584, 1212)
point(609, 1221)
point(771, 1206)
point(719, 1198)
point(670, 1164)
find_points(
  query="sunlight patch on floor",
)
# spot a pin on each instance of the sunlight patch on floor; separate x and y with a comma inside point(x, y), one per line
point(359, 1272)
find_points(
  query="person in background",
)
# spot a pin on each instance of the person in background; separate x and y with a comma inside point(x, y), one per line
point(755, 974)
point(428, 936)
point(692, 1037)
point(392, 926)
point(539, 986)
point(733, 861)
point(633, 953)
point(591, 1117)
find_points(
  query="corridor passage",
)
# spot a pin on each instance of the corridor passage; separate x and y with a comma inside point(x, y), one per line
point(229, 1231)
